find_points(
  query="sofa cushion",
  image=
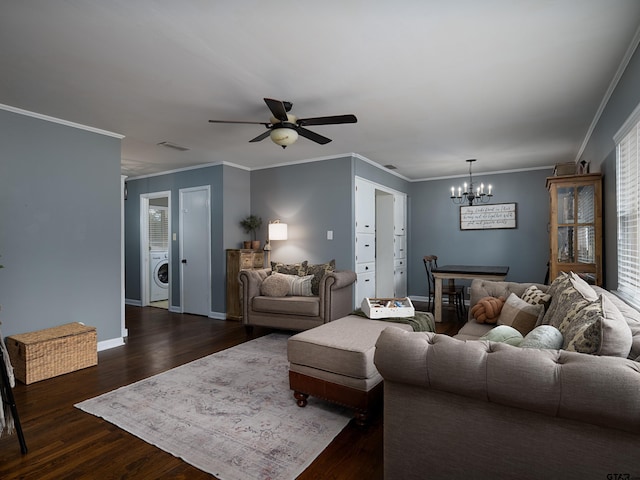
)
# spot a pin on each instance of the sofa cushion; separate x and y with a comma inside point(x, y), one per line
point(299, 269)
point(318, 271)
point(520, 315)
point(275, 285)
point(543, 336)
point(302, 306)
point(473, 330)
point(598, 328)
point(503, 334)
point(300, 285)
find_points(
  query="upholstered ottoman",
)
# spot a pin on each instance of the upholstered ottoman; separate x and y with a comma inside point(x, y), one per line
point(335, 362)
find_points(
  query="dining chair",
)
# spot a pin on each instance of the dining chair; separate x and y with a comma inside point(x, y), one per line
point(453, 293)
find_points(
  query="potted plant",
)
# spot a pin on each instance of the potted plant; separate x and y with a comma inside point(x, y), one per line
point(250, 225)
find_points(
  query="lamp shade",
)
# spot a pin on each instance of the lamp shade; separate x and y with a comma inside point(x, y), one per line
point(277, 231)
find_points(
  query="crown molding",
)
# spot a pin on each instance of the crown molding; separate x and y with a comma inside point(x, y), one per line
point(60, 121)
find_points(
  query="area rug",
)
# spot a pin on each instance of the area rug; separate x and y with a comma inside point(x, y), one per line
point(230, 414)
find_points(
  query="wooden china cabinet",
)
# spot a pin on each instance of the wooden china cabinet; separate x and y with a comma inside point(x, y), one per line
point(575, 233)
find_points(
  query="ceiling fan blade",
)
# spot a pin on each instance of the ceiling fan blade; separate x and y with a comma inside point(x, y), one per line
point(332, 120)
point(266, 124)
point(262, 136)
point(277, 108)
point(313, 136)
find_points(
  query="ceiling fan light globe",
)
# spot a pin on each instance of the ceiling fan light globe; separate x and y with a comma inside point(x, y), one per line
point(283, 136)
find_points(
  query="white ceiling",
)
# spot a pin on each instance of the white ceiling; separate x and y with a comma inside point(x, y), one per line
point(513, 83)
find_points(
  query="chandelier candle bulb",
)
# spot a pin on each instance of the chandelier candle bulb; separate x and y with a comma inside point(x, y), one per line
point(472, 194)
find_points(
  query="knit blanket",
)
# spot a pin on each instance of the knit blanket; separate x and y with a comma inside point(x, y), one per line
point(6, 382)
point(420, 322)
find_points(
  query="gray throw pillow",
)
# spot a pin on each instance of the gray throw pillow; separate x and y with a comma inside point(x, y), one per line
point(300, 286)
point(318, 271)
point(275, 285)
point(503, 334)
point(520, 315)
point(598, 328)
point(544, 336)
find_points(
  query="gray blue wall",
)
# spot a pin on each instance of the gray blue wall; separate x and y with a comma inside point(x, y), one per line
point(601, 152)
point(310, 198)
point(434, 228)
point(229, 204)
point(60, 227)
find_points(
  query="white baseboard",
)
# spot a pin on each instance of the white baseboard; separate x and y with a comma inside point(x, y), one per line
point(218, 315)
point(135, 303)
point(111, 343)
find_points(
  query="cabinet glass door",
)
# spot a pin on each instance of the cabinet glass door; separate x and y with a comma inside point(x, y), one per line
point(576, 231)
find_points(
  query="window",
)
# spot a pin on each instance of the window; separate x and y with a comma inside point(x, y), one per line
point(158, 228)
point(628, 198)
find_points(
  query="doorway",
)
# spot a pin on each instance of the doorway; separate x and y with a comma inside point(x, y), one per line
point(155, 251)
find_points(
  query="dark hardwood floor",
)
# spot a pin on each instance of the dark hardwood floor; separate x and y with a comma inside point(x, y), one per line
point(66, 443)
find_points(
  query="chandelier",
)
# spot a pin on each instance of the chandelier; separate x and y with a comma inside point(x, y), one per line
point(467, 193)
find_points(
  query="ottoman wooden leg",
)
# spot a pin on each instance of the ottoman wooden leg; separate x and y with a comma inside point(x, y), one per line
point(301, 398)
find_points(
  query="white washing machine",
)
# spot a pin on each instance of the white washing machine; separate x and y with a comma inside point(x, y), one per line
point(159, 271)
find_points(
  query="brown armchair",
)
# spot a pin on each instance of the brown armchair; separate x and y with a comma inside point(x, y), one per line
point(335, 300)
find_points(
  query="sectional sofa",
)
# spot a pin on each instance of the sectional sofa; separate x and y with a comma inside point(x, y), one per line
point(470, 408)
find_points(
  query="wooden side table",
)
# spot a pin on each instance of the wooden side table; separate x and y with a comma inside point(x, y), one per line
point(239, 260)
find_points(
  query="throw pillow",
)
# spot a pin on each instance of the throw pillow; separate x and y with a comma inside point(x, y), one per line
point(535, 296)
point(583, 287)
point(318, 271)
point(598, 328)
point(564, 306)
point(544, 336)
point(520, 315)
point(275, 285)
point(299, 269)
point(301, 286)
point(561, 282)
point(503, 334)
point(487, 309)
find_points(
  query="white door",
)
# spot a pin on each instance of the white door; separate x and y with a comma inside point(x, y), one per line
point(195, 250)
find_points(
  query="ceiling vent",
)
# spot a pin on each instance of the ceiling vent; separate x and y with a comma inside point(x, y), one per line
point(174, 146)
point(390, 167)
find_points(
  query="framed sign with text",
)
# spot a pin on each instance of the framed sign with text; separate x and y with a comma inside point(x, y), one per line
point(489, 216)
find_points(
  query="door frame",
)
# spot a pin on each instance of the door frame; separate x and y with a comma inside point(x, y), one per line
point(181, 193)
point(145, 276)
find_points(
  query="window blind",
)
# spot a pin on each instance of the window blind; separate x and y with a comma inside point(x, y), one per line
point(158, 228)
point(628, 200)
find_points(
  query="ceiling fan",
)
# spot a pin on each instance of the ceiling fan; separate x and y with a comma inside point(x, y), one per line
point(284, 128)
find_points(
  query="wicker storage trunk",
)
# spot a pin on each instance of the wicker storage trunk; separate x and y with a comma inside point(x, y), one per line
point(53, 351)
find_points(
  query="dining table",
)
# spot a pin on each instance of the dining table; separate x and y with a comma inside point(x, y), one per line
point(469, 272)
